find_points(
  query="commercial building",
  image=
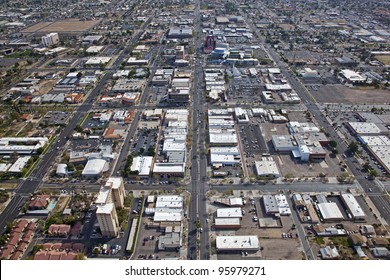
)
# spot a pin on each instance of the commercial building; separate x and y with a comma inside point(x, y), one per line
point(50, 39)
point(234, 212)
point(99, 60)
point(179, 33)
point(227, 223)
point(270, 204)
point(142, 165)
point(267, 167)
point(365, 128)
point(352, 76)
point(237, 243)
point(353, 206)
point(330, 212)
point(95, 168)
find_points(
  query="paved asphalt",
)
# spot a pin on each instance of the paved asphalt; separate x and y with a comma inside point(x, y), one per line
point(198, 159)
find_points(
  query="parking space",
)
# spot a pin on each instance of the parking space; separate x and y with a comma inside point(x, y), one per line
point(145, 142)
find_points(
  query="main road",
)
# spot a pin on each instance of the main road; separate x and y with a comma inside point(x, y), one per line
point(197, 209)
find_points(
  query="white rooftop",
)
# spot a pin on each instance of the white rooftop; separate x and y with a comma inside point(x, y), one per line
point(142, 164)
point(247, 242)
point(330, 211)
point(235, 212)
point(105, 209)
point(114, 182)
point(353, 206)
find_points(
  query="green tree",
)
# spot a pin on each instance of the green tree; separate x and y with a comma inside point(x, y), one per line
point(353, 147)
point(333, 144)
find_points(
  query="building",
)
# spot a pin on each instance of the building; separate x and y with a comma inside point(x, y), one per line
point(353, 207)
point(169, 169)
point(237, 243)
point(62, 169)
point(108, 219)
point(50, 39)
point(234, 212)
point(329, 253)
point(366, 128)
point(59, 230)
point(330, 211)
point(227, 223)
point(39, 202)
point(19, 164)
point(142, 165)
point(267, 167)
point(95, 168)
point(270, 204)
point(179, 33)
point(117, 187)
point(352, 76)
point(21, 145)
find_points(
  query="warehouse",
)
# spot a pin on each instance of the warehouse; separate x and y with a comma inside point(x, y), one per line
point(227, 223)
point(267, 167)
point(237, 243)
point(330, 211)
point(270, 205)
point(353, 206)
point(229, 213)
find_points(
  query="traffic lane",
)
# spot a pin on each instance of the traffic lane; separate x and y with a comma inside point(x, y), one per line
point(13, 209)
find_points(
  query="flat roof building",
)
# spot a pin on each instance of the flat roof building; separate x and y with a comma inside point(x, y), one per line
point(353, 206)
point(142, 165)
point(21, 145)
point(235, 212)
point(270, 205)
point(267, 167)
point(237, 243)
point(95, 168)
point(108, 219)
point(227, 223)
point(330, 211)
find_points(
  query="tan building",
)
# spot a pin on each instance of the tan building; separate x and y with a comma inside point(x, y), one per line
point(108, 219)
point(117, 190)
point(111, 196)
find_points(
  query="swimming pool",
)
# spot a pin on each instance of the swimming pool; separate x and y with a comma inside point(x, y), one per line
point(51, 205)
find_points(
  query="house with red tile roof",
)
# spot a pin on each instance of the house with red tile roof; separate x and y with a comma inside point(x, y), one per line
point(59, 230)
point(17, 255)
point(42, 256)
point(6, 252)
point(39, 202)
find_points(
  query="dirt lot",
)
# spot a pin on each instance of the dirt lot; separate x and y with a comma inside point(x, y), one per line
point(70, 25)
point(281, 249)
point(342, 94)
point(385, 59)
point(329, 166)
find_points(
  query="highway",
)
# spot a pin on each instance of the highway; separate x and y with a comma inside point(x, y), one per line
point(32, 183)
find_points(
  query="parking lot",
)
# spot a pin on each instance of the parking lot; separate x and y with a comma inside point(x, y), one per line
point(145, 140)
